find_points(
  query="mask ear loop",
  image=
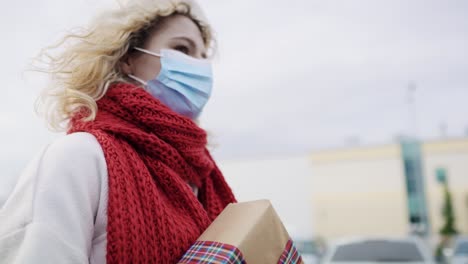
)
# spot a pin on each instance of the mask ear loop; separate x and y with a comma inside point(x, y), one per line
point(137, 79)
point(148, 52)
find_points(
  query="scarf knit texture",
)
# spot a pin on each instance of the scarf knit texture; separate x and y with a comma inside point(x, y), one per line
point(151, 154)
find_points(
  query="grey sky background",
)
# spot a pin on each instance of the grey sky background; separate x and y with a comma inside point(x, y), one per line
point(291, 76)
point(309, 74)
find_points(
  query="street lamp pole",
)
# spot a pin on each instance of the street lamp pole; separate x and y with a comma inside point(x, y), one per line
point(412, 113)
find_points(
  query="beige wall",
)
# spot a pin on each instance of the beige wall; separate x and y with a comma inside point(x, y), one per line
point(359, 192)
point(362, 191)
point(452, 155)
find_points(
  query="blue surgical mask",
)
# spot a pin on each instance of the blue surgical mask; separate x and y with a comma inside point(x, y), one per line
point(184, 83)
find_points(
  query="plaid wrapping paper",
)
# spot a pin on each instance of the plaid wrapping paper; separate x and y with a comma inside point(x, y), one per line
point(219, 253)
point(212, 252)
point(290, 254)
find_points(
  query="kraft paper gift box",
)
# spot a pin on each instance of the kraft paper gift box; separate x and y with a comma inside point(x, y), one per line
point(249, 232)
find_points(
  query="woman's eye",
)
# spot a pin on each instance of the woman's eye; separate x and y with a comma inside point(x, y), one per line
point(183, 49)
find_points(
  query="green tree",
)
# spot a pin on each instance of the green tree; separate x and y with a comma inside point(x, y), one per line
point(448, 229)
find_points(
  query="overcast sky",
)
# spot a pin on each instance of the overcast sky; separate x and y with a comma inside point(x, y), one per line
point(291, 76)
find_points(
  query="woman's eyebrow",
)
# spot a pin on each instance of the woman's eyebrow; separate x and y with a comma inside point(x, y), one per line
point(190, 41)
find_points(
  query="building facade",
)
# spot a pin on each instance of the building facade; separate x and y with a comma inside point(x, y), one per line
point(389, 190)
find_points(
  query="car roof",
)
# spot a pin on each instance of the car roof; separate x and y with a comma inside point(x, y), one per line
point(370, 239)
point(461, 239)
point(411, 239)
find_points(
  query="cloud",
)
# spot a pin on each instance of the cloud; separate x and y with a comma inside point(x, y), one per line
point(324, 71)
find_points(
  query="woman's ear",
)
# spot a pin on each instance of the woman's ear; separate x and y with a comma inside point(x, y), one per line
point(125, 65)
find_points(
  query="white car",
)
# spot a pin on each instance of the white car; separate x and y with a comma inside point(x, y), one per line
point(374, 250)
point(460, 251)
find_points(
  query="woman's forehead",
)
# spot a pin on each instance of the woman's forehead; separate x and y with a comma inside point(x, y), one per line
point(179, 26)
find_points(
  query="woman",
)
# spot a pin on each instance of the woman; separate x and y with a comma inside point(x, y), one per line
point(132, 181)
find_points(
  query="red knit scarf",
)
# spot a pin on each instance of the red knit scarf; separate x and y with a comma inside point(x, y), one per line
point(151, 154)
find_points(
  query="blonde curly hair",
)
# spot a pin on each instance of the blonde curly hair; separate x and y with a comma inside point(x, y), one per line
point(87, 61)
